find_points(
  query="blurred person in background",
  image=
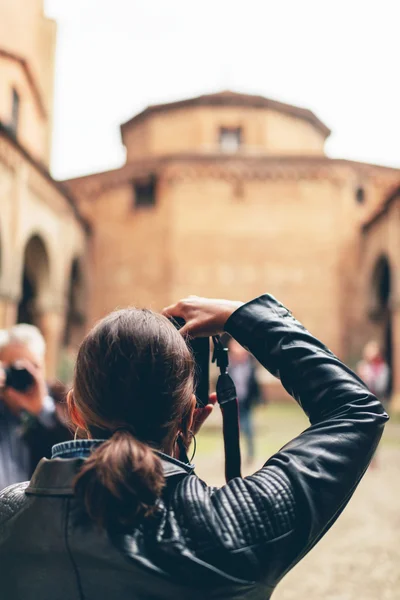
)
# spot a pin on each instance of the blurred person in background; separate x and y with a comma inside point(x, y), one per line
point(242, 369)
point(374, 371)
point(29, 420)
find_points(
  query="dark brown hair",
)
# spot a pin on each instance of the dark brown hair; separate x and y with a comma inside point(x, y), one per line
point(133, 385)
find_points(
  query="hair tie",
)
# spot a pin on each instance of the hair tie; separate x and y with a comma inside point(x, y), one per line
point(124, 430)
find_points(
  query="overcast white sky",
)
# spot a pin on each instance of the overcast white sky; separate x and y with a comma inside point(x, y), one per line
point(340, 58)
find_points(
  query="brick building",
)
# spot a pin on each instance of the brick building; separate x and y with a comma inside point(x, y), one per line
point(43, 238)
point(231, 195)
point(222, 195)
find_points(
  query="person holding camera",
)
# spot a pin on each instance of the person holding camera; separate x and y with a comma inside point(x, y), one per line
point(29, 424)
point(120, 514)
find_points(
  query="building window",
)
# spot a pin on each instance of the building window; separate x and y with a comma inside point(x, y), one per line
point(230, 139)
point(145, 193)
point(14, 112)
point(360, 195)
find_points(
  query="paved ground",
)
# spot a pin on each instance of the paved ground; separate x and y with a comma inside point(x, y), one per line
point(359, 558)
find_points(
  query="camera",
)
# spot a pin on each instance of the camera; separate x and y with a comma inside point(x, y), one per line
point(18, 378)
point(200, 348)
point(226, 393)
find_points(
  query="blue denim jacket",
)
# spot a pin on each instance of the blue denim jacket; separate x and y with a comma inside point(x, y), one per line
point(83, 449)
point(75, 448)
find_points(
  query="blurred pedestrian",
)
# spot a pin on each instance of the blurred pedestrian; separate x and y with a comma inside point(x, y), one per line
point(242, 369)
point(374, 371)
point(29, 424)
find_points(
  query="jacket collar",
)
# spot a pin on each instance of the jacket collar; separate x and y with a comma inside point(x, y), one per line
point(55, 477)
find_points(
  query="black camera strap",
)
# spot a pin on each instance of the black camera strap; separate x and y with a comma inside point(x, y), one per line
point(227, 399)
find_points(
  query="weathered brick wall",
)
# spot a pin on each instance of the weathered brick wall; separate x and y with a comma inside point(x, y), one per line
point(26, 33)
point(33, 208)
point(277, 216)
point(291, 230)
point(360, 253)
point(262, 241)
point(131, 256)
point(206, 236)
point(32, 129)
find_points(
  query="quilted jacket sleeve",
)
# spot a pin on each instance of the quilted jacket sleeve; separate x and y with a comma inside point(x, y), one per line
point(282, 510)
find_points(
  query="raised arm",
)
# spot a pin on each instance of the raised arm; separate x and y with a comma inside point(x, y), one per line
point(326, 462)
point(283, 510)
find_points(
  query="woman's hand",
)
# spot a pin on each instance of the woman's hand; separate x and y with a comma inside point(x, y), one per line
point(203, 316)
point(202, 413)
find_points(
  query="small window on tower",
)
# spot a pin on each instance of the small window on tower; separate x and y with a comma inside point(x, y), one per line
point(145, 192)
point(230, 138)
point(360, 195)
point(14, 112)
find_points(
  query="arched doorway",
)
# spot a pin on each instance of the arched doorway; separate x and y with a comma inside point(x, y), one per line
point(35, 281)
point(381, 312)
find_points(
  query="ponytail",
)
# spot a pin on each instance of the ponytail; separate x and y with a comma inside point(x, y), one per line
point(133, 370)
point(120, 482)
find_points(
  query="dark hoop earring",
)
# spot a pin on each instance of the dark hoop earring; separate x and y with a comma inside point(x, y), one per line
point(194, 444)
point(182, 446)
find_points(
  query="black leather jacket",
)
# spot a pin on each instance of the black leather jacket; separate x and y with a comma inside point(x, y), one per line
point(233, 542)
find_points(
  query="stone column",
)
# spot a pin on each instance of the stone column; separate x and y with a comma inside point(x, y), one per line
point(51, 324)
point(8, 312)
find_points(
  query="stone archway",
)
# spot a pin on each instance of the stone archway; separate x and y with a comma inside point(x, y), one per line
point(381, 310)
point(35, 281)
